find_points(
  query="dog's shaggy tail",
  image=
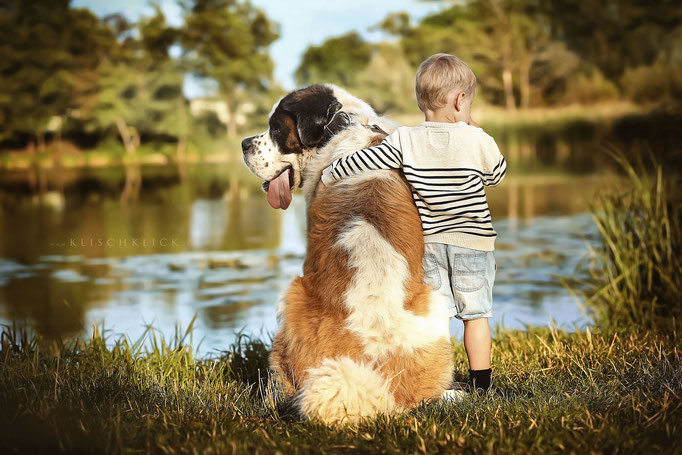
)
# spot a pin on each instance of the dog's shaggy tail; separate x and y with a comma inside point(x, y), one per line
point(342, 390)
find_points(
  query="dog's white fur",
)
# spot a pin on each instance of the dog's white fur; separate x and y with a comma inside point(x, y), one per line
point(342, 389)
point(375, 298)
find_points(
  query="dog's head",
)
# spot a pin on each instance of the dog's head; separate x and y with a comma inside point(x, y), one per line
point(300, 124)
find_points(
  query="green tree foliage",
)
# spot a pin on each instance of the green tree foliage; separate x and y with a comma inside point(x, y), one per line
point(138, 90)
point(500, 39)
point(337, 60)
point(387, 82)
point(65, 70)
point(227, 41)
point(660, 81)
point(615, 34)
point(525, 53)
point(48, 53)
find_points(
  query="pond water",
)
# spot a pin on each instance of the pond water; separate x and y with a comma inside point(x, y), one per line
point(211, 246)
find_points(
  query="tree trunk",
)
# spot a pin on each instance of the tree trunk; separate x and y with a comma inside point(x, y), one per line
point(57, 163)
point(133, 181)
point(40, 137)
point(231, 116)
point(33, 172)
point(507, 81)
point(510, 102)
point(524, 83)
point(503, 30)
point(181, 158)
point(126, 137)
point(180, 155)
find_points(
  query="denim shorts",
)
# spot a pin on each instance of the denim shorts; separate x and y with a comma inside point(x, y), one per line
point(464, 276)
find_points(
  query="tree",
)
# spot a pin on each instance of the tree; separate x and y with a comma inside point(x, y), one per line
point(500, 39)
point(137, 91)
point(614, 34)
point(337, 60)
point(47, 48)
point(387, 82)
point(227, 41)
point(477, 33)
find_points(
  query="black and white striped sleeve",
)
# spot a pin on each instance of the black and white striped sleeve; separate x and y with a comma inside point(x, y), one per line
point(383, 156)
point(496, 167)
point(499, 171)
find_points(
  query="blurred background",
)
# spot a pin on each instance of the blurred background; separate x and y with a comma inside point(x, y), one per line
point(124, 200)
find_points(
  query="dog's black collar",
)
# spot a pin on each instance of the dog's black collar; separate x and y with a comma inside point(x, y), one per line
point(376, 128)
point(342, 120)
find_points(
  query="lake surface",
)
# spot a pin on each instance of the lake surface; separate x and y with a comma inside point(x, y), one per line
point(211, 246)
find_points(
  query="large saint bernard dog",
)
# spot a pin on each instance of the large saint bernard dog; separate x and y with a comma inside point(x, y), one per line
point(359, 333)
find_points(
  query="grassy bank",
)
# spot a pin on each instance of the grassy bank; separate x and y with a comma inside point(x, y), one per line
point(112, 153)
point(526, 126)
point(537, 118)
point(594, 391)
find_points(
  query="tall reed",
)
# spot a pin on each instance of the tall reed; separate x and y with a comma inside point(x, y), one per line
point(638, 282)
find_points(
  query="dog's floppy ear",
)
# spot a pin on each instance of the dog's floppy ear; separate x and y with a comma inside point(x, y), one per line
point(312, 113)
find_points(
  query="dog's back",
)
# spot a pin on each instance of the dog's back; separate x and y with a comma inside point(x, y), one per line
point(359, 333)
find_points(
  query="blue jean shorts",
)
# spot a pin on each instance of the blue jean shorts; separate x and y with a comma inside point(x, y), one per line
point(464, 276)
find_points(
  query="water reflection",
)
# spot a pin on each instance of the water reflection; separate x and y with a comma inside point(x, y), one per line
point(213, 247)
point(208, 220)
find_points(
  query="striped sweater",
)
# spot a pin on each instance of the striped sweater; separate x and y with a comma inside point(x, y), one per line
point(447, 165)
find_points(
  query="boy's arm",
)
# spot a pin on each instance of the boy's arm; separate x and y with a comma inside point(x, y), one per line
point(495, 165)
point(383, 156)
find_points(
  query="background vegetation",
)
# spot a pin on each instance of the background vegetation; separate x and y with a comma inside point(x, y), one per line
point(72, 80)
point(67, 74)
point(525, 53)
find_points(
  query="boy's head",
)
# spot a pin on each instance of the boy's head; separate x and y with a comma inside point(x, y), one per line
point(441, 76)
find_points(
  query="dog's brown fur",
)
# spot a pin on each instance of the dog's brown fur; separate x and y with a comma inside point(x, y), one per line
point(314, 316)
point(359, 333)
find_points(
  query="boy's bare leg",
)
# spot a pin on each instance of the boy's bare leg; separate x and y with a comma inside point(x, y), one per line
point(477, 343)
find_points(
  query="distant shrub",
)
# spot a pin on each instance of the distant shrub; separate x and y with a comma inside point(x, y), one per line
point(661, 81)
point(650, 84)
point(588, 88)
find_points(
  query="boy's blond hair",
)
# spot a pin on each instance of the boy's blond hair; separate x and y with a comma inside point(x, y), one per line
point(440, 75)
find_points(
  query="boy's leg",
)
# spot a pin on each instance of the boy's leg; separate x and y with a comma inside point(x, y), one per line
point(473, 275)
point(477, 342)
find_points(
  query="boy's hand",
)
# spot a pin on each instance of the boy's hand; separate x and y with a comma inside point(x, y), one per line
point(472, 123)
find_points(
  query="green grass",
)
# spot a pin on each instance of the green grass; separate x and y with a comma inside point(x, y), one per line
point(613, 388)
point(592, 391)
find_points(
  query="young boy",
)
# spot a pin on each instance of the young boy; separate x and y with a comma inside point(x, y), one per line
point(447, 160)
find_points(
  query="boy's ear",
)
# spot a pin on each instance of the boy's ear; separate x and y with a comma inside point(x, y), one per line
point(460, 99)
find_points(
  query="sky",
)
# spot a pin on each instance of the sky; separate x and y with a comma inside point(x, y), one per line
point(302, 23)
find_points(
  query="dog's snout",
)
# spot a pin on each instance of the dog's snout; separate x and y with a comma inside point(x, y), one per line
point(246, 144)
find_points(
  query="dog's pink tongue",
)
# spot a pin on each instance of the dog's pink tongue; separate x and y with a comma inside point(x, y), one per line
point(279, 192)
